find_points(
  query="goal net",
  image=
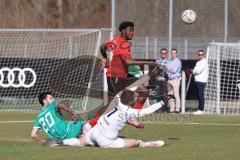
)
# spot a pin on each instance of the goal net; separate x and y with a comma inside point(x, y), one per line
point(62, 61)
point(223, 87)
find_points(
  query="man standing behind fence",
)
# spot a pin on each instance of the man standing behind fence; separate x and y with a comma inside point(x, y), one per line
point(200, 72)
point(174, 67)
point(161, 80)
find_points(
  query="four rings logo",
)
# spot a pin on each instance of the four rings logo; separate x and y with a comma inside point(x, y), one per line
point(16, 77)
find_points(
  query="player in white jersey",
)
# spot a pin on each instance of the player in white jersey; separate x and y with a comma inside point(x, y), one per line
point(105, 133)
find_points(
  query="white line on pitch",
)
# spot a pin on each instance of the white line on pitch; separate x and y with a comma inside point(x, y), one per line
point(185, 123)
point(1, 122)
point(148, 122)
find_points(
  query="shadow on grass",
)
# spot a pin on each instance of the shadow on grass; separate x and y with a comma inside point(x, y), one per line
point(174, 138)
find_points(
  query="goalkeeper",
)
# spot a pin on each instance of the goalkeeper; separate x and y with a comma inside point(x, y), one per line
point(51, 121)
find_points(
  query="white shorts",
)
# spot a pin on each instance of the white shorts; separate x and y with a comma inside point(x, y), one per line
point(95, 138)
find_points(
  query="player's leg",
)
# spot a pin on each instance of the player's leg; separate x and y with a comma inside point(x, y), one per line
point(176, 85)
point(77, 142)
point(128, 143)
point(87, 138)
point(158, 143)
point(120, 84)
point(74, 136)
point(95, 138)
point(71, 137)
point(97, 112)
point(139, 143)
point(71, 132)
point(90, 123)
point(53, 143)
point(110, 83)
point(63, 142)
point(72, 142)
point(96, 115)
point(170, 91)
point(116, 143)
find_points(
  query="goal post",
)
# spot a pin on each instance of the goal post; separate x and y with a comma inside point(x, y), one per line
point(64, 61)
point(223, 88)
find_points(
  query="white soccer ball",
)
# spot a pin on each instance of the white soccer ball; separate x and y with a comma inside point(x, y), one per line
point(189, 16)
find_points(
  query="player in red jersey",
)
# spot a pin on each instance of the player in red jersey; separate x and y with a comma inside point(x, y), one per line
point(117, 71)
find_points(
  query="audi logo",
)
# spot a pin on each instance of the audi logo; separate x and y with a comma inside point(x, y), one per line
point(11, 77)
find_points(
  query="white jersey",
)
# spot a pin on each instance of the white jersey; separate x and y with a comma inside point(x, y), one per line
point(201, 71)
point(110, 123)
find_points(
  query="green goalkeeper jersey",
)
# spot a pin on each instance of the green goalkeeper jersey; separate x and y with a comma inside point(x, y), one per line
point(55, 126)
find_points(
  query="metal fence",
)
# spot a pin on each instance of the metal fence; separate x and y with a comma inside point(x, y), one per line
point(149, 47)
point(158, 24)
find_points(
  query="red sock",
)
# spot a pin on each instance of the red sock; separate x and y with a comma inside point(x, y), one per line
point(93, 121)
point(138, 105)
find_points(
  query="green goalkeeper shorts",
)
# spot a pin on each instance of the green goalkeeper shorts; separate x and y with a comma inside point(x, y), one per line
point(75, 129)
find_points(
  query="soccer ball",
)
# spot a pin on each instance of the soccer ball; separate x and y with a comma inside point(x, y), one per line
point(189, 16)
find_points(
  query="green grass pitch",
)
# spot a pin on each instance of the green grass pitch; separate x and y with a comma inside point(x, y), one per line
point(188, 137)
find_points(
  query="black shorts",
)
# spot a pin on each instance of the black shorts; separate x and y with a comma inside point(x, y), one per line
point(116, 84)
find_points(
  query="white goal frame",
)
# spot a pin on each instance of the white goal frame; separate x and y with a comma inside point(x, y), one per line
point(102, 35)
point(222, 93)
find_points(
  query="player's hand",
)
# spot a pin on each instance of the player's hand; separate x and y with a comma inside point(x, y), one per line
point(74, 114)
point(75, 117)
point(168, 98)
point(103, 63)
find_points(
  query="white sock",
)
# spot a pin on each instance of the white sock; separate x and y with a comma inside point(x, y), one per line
point(71, 142)
point(144, 144)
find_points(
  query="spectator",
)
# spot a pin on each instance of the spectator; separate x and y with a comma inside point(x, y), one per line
point(174, 67)
point(200, 72)
point(161, 80)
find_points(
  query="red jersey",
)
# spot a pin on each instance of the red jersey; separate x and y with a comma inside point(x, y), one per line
point(121, 52)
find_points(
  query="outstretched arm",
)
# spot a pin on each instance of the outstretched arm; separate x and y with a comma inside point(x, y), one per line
point(145, 78)
point(145, 111)
point(35, 136)
point(139, 62)
point(150, 109)
point(64, 106)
